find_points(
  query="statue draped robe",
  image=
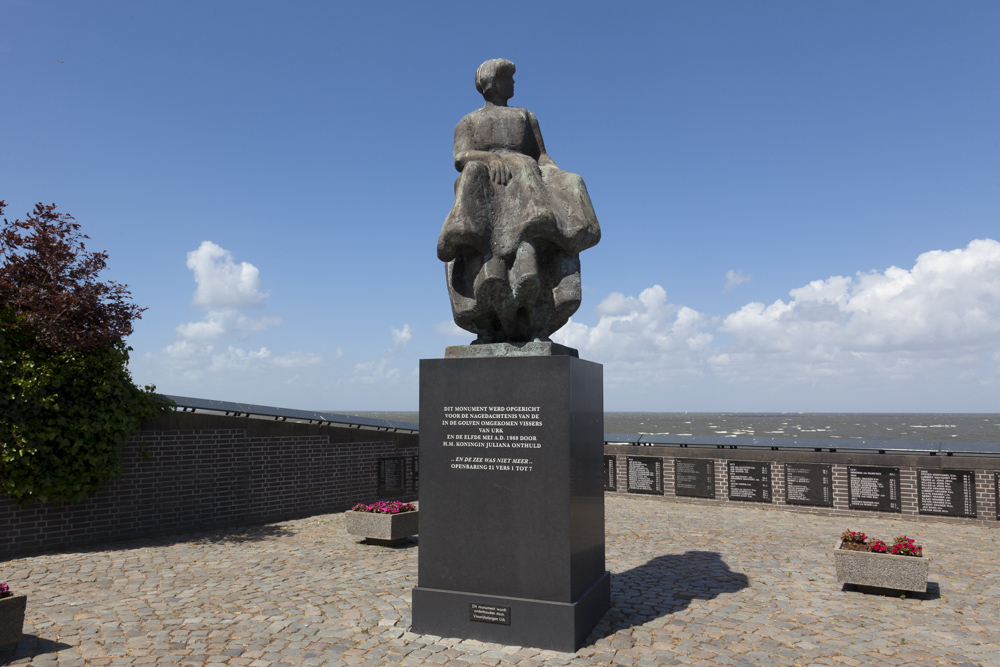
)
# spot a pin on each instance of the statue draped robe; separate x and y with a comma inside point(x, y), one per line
point(512, 251)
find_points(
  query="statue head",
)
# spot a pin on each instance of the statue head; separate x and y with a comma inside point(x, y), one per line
point(490, 72)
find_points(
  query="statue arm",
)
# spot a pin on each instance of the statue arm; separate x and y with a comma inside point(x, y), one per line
point(543, 158)
point(465, 153)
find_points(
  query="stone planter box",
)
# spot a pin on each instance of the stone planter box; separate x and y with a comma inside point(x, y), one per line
point(12, 618)
point(382, 529)
point(902, 573)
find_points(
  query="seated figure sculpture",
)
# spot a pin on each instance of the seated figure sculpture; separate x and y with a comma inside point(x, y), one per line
point(513, 239)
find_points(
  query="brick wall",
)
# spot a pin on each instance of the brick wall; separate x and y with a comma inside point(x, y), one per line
point(187, 471)
point(986, 470)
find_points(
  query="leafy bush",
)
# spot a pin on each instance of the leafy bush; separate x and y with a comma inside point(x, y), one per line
point(67, 401)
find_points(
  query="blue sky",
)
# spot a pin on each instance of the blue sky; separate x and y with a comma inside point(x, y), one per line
point(799, 201)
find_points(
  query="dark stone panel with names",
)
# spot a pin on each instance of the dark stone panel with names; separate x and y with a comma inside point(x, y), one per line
point(809, 484)
point(750, 481)
point(694, 478)
point(610, 473)
point(415, 465)
point(645, 474)
point(870, 488)
point(996, 493)
point(947, 492)
point(391, 476)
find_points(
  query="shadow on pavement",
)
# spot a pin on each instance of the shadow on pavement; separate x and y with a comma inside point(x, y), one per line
point(238, 535)
point(410, 543)
point(933, 591)
point(664, 585)
point(30, 646)
point(231, 535)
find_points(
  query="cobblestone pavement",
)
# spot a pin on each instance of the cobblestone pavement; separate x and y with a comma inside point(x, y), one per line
point(691, 585)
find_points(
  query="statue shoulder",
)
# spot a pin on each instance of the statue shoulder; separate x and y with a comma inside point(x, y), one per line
point(521, 111)
point(468, 119)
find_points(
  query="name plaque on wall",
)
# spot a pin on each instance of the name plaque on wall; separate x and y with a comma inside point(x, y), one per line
point(750, 481)
point(610, 473)
point(947, 492)
point(645, 474)
point(873, 489)
point(809, 484)
point(694, 478)
point(391, 476)
point(415, 466)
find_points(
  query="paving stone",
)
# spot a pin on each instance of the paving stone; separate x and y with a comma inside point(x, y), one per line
point(691, 585)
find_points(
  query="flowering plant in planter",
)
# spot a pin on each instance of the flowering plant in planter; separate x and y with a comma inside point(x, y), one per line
point(853, 541)
point(383, 523)
point(901, 546)
point(877, 546)
point(382, 507)
point(904, 546)
point(866, 561)
point(11, 615)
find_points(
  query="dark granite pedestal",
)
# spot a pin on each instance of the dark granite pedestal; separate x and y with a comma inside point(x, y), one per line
point(511, 501)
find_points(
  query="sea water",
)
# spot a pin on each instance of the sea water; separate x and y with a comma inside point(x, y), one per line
point(935, 427)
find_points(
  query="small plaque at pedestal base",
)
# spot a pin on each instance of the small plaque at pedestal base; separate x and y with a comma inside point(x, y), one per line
point(556, 626)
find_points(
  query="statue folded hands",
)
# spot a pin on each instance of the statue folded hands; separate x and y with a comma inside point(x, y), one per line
point(513, 238)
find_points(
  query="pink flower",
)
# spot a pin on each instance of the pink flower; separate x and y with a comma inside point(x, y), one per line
point(383, 507)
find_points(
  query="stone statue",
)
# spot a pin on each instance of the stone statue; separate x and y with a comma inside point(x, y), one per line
point(512, 241)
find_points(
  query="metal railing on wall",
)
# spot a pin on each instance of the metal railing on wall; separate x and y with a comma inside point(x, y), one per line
point(249, 410)
point(859, 445)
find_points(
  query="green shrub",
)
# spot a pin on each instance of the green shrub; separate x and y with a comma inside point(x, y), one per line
point(64, 418)
point(67, 401)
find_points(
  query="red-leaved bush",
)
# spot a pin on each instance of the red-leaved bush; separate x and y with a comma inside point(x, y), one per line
point(67, 400)
point(48, 280)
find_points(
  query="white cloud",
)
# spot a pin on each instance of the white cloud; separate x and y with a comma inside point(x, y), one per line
point(218, 323)
point(199, 364)
point(641, 337)
point(209, 328)
point(372, 372)
point(195, 361)
point(224, 289)
point(297, 360)
point(449, 328)
point(223, 284)
point(238, 359)
point(734, 278)
point(898, 330)
point(383, 371)
point(949, 300)
point(400, 337)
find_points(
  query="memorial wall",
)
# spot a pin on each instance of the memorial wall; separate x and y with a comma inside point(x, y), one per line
point(921, 486)
point(185, 471)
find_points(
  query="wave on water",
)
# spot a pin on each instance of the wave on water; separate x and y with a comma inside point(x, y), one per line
point(876, 426)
